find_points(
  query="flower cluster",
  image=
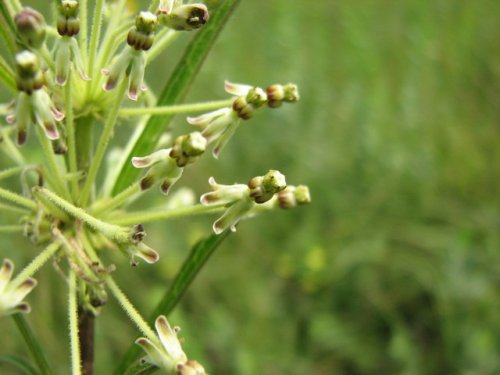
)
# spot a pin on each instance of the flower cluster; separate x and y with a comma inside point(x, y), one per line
point(12, 294)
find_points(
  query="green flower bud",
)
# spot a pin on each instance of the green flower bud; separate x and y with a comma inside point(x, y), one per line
point(190, 368)
point(141, 37)
point(293, 196)
point(29, 74)
point(187, 148)
point(277, 94)
point(263, 188)
point(68, 23)
point(31, 27)
point(185, 17)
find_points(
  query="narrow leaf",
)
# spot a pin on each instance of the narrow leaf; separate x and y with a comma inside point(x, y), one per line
point(22, 364)
point(33, 345)
point(193, 264)
point(175, 90)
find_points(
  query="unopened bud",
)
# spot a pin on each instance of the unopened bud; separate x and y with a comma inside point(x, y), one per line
point(187, 148)
point(31, 27)
point(190, 368)
point(293, 196)
point(185, 17)
point(141, 37)
point(68, 23)
point(262, 188)
point(277, 94)
point(29, 74)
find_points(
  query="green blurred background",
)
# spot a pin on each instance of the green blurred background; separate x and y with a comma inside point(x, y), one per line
point(395, 266)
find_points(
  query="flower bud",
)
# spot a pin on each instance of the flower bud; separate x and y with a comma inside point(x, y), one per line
point(185, 17)
point(187, 148)
point(141, 37)
point(190, 368)
point(31, 27)
point(162, 169)
point(262, 188)
point(293, 196)
point(68, 23)
point(277, 94)
point(29, 74)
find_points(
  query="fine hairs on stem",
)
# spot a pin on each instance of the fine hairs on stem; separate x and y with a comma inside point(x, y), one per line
point(74, 82)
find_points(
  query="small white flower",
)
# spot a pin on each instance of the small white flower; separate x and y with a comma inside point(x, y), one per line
point(166, 352)
point(11, 296)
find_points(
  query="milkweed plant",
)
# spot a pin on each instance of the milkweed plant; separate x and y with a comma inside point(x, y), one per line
point(71, 83)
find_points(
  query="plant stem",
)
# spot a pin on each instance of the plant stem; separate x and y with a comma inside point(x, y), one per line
point(14, 209)
point(175, 109)
point(111, 231)
point(149, 216)
point(36, 263)
point(86, 327)
point(18, 199)
point(103, 143)
point(6, 173)
point(117, 200)
point(7, 77)
point(11, 228)
point(11, 150)
point(163, 39)
point(83, 34)
point(130, 309)
point(70, 130)
point(94, 38)
point(33, 345)
point(55, 170)
point(73, 326)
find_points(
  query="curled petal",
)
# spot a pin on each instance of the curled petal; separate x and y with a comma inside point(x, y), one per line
point(77, 60)
point(209, 117)
point(169, 340)
point(42, 111)
point(136, 76)
point(232, 216)
point(6, 272)
point(150, 160)
point(118, 70)
point(224, 138)
point(23, 117)
point(63, 61)
point(236, 89)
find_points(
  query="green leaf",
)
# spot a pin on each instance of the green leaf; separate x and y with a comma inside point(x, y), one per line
point(175, 90)
point(33, 344)
point(22, 364)
point(192, 265)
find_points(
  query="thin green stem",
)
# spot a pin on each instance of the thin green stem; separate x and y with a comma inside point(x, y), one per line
point(111, 231)
point(16, 5)
point(7, 76)
point(70, 131)
point(131, 311)
point(11, 228)
point(149, 216)
point(55, 170)
point(154, 5)
point(10, 149)
point(83, 34)
point(95, 35)
point(6, 173)
point(103, 143)
point(18, 199)
point(36, 263)
point(176, 109)
point(117, 200)
point(14, 209)
point(33, 345)
point(76, 368)
point(162, 40)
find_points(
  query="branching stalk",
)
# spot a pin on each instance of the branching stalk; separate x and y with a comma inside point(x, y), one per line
point(76, 368)
point(176, 109)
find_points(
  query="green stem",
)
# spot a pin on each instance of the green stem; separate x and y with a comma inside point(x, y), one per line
point(7, 76)
point(95, 35)
point(149, 216)
point(83, 34)
point(33, 345)
point(70, 131)
point(130, 309)
point(16, 5)
point(36, 263)
point(111, 231)
point(11, 228)
point(162, 40)
point(6, 173)
point(103, 143)
point(14, 209)
point(76, 368)
point(154, 5)
point(55, 170)
point(10, 149)
point(117, 200)
point(175, 109)
point(18, 199)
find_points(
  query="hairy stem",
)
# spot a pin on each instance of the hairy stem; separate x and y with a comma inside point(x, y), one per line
point(117, 200)
point(103, 143)
point(94, 39)
point(176, 109)
point(18, 199)
point(70, 130)
point(76, 368)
